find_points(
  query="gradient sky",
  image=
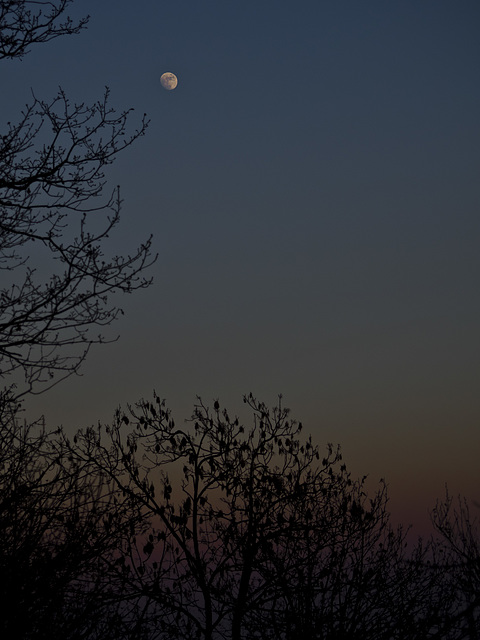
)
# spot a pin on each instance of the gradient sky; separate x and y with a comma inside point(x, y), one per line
point(313, 189)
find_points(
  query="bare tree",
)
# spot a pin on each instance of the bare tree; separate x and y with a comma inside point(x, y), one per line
point(252, 534)
point(60, 527)
point(345, 572)
point(459, 546)
point(248, 532)
point(237, 490)
point(55, 218)
point(27, 22)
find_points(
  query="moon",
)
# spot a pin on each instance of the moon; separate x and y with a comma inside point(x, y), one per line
point(169, 81)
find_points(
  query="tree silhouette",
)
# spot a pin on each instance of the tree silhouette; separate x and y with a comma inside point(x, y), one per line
point(350, 574)
point(238, 490)
point(460, 547)
point(27, 22)
point(251, 533)
point(61, 528)
point(146, 530)
point(57, 284)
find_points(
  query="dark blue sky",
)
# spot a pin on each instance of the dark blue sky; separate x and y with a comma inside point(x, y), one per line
point(313, 189)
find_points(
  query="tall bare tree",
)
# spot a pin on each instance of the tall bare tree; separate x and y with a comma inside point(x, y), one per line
point(55, 217)
point(214, 493)
point(254, 534)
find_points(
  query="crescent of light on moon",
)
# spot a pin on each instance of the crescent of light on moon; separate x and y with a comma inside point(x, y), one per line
point(169, 81)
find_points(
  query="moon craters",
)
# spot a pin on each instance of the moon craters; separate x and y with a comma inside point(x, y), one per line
point(169, 81)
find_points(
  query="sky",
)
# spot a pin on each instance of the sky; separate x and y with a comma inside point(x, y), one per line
point(312, 186)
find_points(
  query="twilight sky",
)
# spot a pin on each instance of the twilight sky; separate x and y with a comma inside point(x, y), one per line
point(313, 189)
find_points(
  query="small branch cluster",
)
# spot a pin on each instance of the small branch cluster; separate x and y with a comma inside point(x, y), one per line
point(24, 23)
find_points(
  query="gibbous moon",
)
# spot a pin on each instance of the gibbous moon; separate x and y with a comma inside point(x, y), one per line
point(169, 81)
